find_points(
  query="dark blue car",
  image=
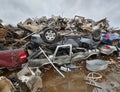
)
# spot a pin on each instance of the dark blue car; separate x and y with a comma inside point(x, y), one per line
point(111, 38)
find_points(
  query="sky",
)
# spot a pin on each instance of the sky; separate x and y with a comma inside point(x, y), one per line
point(14, 11)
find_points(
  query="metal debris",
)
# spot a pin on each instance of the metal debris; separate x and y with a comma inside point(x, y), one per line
point(31, 34)
point(31, 77)
point(96, 65)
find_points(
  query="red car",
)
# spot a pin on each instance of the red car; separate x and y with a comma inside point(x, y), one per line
point(13, 58)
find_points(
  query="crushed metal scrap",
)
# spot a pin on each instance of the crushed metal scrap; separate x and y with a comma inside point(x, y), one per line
point(36, 47)
point(31, 77)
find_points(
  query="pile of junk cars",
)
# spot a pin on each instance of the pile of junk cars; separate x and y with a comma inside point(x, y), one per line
point(55, 41)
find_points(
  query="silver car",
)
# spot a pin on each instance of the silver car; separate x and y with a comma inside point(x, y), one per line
point(63, 54)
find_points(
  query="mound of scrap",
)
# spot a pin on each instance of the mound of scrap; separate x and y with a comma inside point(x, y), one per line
point(10, 34)
point(59, 54)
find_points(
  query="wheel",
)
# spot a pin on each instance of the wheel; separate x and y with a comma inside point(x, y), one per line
point(115, 42)
point(50, 35)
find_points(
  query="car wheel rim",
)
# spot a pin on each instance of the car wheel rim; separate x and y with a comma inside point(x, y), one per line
point(50, 35)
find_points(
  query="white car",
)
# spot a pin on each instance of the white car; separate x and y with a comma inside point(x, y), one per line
point(108, 49)
point(63, 54)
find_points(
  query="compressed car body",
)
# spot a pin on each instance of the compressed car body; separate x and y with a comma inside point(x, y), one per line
point(90, 41)
point(111, 38)
point(108, 49)
point(63, 54)
point(12, 58)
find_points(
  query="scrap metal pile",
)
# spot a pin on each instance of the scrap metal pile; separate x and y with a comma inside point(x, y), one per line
point(57, 41)
point(78, 24)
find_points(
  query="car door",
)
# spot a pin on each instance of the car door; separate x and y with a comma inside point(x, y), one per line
point(62, 54)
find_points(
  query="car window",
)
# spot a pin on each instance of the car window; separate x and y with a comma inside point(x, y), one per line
point(63, 51)
point(77, 50)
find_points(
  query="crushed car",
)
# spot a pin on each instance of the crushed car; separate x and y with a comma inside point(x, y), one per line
point(51, 38)
point(108, 49)
point(66, 54)
point(13, 58)
point(111, 38)
point(63, 54)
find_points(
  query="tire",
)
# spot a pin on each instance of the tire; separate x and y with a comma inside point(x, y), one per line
point(50, 35)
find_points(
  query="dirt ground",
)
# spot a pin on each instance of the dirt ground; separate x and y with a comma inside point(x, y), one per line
point(74, 81)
